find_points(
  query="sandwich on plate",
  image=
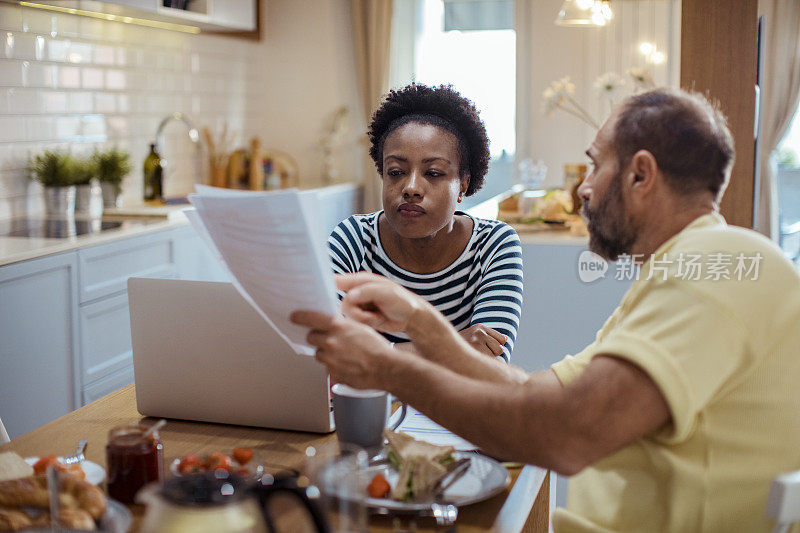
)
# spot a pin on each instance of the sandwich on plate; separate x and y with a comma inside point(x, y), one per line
point(421, 465)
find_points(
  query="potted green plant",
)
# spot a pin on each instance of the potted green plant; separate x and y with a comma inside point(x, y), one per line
point(112, 166)
point(88, 198)
point(55, 170)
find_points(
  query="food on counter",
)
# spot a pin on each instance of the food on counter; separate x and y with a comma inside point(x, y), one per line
point(237, 464)
point(541, 210)
point(12, 466)
point(242, 455)
point(74, 493)
point(421, 465)
point(379, 487)
point(74, 519)
point(40, 467)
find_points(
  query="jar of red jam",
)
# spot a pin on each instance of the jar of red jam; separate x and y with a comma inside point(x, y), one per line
point(133, 460)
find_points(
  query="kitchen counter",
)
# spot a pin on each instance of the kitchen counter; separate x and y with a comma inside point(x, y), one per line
point(490, 208)
point(337, 203)
point(16, 249)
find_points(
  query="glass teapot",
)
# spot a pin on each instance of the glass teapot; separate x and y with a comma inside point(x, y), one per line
point(221, 503)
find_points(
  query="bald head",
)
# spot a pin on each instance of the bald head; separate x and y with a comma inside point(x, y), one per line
point(687, 135)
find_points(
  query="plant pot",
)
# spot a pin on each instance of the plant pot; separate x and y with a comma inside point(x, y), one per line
point(111, 198)
point(59, 202)
point(89, 199)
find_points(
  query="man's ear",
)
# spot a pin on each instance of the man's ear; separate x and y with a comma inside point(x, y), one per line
point(643, 171)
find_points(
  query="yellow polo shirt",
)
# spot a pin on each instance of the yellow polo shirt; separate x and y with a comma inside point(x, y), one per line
point(725, 354)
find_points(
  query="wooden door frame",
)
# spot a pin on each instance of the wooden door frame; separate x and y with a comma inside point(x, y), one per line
point(719, 58)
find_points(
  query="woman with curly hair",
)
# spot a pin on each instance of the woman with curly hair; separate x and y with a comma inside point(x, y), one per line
point(431, 150)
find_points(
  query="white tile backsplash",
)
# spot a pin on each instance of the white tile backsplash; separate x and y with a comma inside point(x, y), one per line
point(11, 73)
point(76, 83)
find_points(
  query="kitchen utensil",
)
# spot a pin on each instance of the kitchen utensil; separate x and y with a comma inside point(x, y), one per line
point(218, 503)
point(459, 468)
point(445, 514)
point(155, 427)
point(52, 492)
point(78, 456)
point(256, 170)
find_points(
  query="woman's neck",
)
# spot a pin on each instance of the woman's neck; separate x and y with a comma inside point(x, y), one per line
point(430, 254)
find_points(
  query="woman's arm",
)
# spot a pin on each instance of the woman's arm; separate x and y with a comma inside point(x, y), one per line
point(377, 302)
point(498, 301)
point(346, 247)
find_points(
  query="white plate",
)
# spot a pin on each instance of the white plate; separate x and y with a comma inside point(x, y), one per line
point(484, 478)
point(95, 474)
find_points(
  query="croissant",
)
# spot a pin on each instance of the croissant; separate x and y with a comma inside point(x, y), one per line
point(13, 520)
point(74, 494)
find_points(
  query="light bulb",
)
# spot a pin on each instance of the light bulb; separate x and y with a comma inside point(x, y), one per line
point(657, 58)
point(598, 19)
point(646, 48)
point(605, 9)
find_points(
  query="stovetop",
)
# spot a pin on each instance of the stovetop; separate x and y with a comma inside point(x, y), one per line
point(57, 228)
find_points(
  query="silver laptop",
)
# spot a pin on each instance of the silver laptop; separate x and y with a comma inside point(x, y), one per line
point(201, 352)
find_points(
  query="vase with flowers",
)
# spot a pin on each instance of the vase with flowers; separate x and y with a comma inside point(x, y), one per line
point(560, 94)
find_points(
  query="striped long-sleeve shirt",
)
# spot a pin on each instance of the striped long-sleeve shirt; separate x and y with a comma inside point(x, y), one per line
point(482, 286)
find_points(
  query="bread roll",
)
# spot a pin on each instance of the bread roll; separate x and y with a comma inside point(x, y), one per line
point(74, 494)
point(12, 466)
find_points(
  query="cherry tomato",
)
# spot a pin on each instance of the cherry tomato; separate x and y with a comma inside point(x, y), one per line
point(40, 467)
point(242, 455)
point(222, 462)
point(214, 458)
point(379, 487)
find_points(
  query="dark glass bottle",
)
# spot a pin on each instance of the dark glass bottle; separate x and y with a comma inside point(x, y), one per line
point(153, 174)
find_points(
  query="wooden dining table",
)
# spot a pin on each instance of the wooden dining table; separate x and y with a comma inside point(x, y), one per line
point(523, 506)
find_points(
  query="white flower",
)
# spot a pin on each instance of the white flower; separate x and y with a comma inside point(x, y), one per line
point(551, 100)
point(608, 83)
point(563, 87)
point(641, 77)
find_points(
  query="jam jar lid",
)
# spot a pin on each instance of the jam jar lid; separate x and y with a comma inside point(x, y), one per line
point(210, 488)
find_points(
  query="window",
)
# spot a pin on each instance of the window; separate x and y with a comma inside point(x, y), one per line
point(470, 44)
point(788, 184)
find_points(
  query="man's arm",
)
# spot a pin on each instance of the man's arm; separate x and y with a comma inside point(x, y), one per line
point(539, 422)
point(534, 420)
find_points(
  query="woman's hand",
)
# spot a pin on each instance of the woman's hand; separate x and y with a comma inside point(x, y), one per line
point(378, 302)
point(355, 354)
point(484, 339)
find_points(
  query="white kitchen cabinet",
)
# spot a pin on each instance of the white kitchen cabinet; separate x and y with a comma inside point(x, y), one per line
point(38, 341)
point(105, 338)
point(105, 268)
point(213, 15)
point(239, 14)
point(108, 384)
point(193, 259)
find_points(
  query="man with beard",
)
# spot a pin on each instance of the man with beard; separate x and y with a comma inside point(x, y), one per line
point(683, 409)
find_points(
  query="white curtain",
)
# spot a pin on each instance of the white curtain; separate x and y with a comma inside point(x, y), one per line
point(780, 91)
point(372, 25)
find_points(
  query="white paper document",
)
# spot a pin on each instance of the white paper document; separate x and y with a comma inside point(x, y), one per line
point(421, 427)
point(276, 251)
